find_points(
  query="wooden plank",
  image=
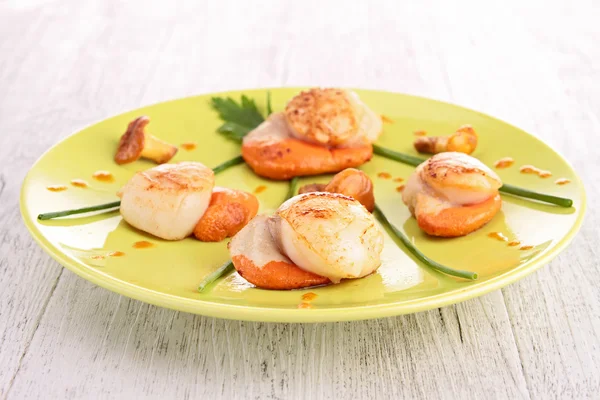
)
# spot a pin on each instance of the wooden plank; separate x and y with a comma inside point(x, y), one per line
point(115, 347)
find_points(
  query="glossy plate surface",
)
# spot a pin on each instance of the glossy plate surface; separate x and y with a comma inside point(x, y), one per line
point(167, 273)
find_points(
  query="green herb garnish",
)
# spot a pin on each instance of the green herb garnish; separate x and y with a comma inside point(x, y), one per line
point(269, 108)
point(238, 118)
point(417, 253)
point(293, 188)
point(83, 210)
point(213, 276)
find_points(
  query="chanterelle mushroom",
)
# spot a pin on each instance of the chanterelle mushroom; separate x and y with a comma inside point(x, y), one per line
point(350, 182)
point(464, 140)
point(136, 144)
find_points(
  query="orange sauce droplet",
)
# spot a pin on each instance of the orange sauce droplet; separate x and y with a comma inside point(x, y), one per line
point(384, 175)
point(116, 254)
point(499, 236)
point(398, 179)
point(528, 247)
point(56, 188)
point(504, 162)
point(386, 120)
point(189, 146)
point(305, 305)
point(143, 244)
point(97, 257)
point(530, 169)
point(400, 188)
point(513, 243)
point(309, 296)
point(562, 181)
point(103, 176)
point(79, 183)
point(260, 189)
point(420, 133)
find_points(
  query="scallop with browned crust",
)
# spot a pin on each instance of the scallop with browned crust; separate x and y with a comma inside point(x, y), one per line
point(452, 194)
point(328, 234)
point(332, 117)
point(168, 200)
point(313, 239)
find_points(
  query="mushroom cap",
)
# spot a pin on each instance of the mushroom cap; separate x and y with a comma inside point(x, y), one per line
point(353, 183)
point(131, 144)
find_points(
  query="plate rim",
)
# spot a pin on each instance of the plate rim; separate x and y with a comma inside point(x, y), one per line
point(288, 315)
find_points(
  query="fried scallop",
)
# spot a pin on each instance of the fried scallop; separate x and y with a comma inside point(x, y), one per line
point(332, 117)
point(320, 131)
point(168, 200)
point(272, 152)
point(328, 234)
point(257, 259)
point(313, 238)
point(452, 194)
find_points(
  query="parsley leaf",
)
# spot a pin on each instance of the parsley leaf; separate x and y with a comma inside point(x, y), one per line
point(239, 118)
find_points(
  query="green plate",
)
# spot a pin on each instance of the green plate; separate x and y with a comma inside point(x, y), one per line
point(168, 273)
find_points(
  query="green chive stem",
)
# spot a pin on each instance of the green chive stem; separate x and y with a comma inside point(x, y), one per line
point(213, 276)
point(57, 214)
point(269, 108)
point(422, 257)
point(293, 188)
point(528, 194)
point(396, 156)
point(227, 164)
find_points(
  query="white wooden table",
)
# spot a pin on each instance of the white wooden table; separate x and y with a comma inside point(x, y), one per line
point(65, 64)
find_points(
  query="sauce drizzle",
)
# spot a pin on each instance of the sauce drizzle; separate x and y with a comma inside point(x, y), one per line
point(499, 236)
point(513, 243)
point(504, 162)
point(260, 189)
point(420, 133)
point(305, 305)
point(79, 183)
point(103, 176)
point(386, 120)
point(189, 146)
point(562, 181)
point(398, 179)
point(530, 169)
point(98, 257)
point(400, 188)
point(528, 247)
point(309, 296)
point(384, 175)
point(142, 244)
point(56, 188)
point(116, 254)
